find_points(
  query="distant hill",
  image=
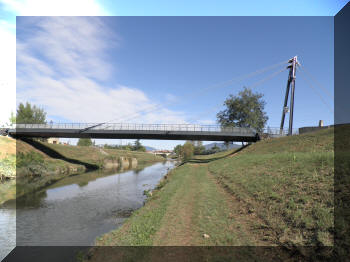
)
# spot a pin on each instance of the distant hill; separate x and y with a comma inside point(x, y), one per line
point(222, 146)
point(149, 148)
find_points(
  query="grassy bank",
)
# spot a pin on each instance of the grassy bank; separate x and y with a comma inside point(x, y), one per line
point(277, 192)
point(288, 183)
point(37, 164)
point(96, 156)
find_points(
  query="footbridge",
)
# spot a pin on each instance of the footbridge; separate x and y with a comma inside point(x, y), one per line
point(136, 131)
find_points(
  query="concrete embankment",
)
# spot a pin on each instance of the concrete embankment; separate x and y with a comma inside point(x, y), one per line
point(120, 163)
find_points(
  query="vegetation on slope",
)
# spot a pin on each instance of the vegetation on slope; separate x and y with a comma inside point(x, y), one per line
point(95, 155)
point(288, 183)
point(38, 164)
point(342, 190)
point(7, 158)
point(274, 192)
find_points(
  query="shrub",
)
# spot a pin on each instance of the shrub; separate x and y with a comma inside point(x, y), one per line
point(28, 159)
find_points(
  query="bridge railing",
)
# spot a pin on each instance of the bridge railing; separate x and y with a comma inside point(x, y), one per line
point(138, 127)
point(277, 132)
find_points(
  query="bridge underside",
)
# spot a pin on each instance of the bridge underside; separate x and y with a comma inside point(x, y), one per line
point(135, 134)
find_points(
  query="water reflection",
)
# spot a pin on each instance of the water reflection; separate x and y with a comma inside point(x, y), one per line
point(7, 231)
point(75, 210)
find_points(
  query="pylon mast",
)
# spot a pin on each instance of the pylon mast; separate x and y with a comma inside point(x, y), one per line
point(293, 62)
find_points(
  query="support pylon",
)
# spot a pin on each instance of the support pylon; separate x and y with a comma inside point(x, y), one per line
point(293, 62)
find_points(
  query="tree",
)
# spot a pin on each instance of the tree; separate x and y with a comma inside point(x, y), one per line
point(198, 147)
point(12, 118)
point(178, 150)
point(244, 110)
point(28, 114)
point(138, 146)
point(84, 142)
point(215, 149)
point(187, 151)
point(227, 144)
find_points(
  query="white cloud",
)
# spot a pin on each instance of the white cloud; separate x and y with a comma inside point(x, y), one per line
point(8, 39)
point(63, 66)
point(75, 45)
point(8, 71)
point(54, 7)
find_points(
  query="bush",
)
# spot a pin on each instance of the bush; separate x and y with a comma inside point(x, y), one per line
point(8, 167)
point(84, 142)
point(187, 151)
point(29, 159)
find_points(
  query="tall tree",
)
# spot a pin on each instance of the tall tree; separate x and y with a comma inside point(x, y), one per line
point(84, 142)
point(138, 146)
point(244, 110)
point(198, 147)
point(178, 150)
point(187, 151)
point(28, 114)
point(12, 118)
point(227, 144)
point(215, 149)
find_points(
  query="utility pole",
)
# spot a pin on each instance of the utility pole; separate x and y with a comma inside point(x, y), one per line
point(293, 62)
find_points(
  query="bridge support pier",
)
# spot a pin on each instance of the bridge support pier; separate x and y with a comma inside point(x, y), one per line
point(291, 83)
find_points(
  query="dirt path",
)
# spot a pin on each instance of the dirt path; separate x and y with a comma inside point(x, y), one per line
point(177, 224)
point(202, 212)
point(245, 220)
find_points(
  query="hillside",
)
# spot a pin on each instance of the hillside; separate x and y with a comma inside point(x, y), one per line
point(274, 192)
point(222, 146)
point(38, 164)
point(288, 183)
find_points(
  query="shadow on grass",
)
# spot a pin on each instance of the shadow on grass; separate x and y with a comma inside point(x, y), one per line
point(54, 154)
point(199, 161)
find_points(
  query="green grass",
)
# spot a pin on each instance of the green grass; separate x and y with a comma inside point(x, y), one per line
point(275, 192)
point(185, 206)
point(7, 175)
point(7, 167)
point(141, 226)
point(292, 192)
point(25, 159)
point(94, 155)
point(288, 182)
point(35, 169)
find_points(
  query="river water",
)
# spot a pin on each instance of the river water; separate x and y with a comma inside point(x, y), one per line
point(77, 209)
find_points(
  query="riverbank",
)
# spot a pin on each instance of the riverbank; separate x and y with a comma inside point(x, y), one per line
point(36, 165)
point(277, 192)
point(77, 209)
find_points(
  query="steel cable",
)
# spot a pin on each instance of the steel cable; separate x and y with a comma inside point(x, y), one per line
point(193, 93)
point(318, 94)
point(202, 92)
point(254, 85)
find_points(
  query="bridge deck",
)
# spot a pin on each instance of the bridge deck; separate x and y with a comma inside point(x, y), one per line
point(136, 131)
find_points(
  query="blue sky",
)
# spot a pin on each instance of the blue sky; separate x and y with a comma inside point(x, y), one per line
point(224, 7)
point(93, 69)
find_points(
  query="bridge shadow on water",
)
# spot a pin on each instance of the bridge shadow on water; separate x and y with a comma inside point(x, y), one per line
point(202, 161)
point(54, 154)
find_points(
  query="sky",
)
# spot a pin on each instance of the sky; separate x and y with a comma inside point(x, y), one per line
point(109, 66)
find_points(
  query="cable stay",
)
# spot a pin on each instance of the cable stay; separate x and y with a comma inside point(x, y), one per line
point(318, 94)
point(253, 85)
point(194, 93)
point(197, 93)
point(266, 78)
point(343, 111)
point(311, 77)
